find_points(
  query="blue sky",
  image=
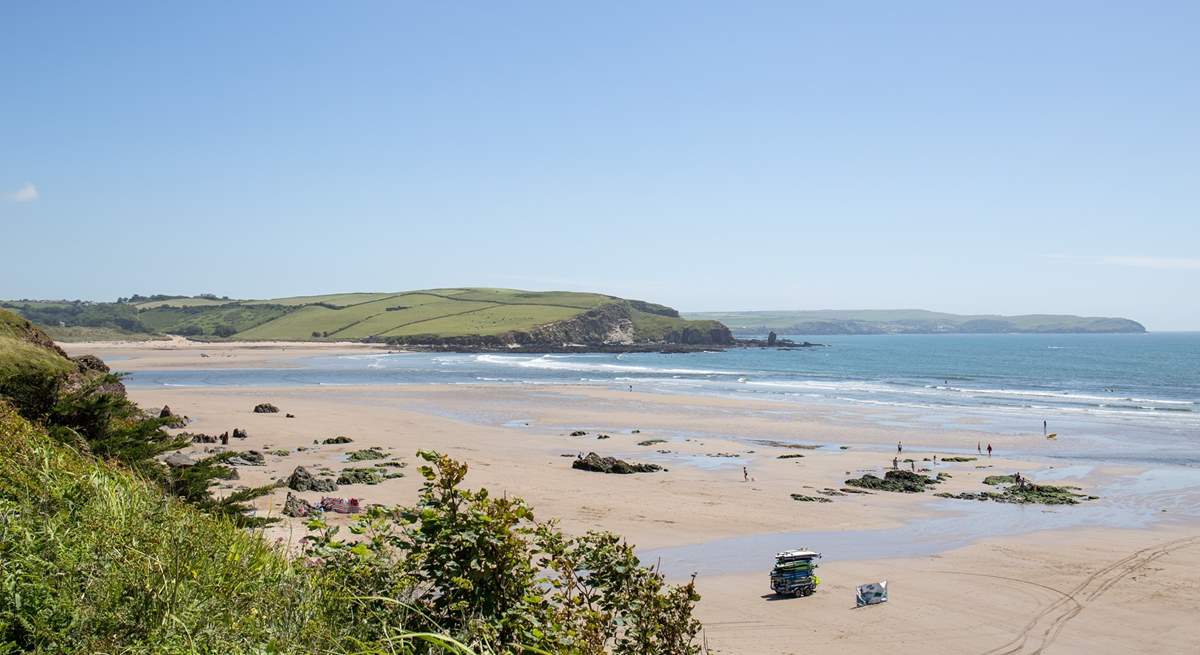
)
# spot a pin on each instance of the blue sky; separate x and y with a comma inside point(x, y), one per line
point(1012, 157)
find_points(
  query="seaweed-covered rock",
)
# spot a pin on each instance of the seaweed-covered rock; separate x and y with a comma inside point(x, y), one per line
point(373, 452)
point(248, 458)
point(895, 480)
point(265, 408)
point(1020, 491)
point(810, 499)
point(302, 480)
point(165, 412)
point(338, 439)
point(598, 464)
point(360, 476)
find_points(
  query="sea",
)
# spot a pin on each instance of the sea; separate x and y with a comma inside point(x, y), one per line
point(1114, 396)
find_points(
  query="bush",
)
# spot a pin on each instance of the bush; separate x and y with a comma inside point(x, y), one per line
point(485, 570)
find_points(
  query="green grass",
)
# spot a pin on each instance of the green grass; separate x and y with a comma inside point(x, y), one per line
point(205, 320)
point(449, 312)
point(181, 302)
point(95, 560)
point(339, 299)
point(479, 318)
point(18, 355)
point(76, 334)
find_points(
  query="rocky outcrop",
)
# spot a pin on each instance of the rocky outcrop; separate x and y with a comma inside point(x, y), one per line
point(265, 408)
point(296, 506)
point(248, 458)
point(179, 460)
point(896, 480)
point(595, 463)
point(302, 480)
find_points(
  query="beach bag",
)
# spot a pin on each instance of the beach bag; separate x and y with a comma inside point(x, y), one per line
point(872, 593)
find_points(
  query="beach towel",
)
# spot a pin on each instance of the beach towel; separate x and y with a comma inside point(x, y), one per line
point(872, 593)
point(341, 506)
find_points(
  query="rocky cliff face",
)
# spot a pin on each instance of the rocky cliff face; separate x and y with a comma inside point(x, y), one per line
point(610, 326)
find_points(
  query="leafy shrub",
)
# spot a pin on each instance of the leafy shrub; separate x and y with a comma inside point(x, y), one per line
point(483, 569)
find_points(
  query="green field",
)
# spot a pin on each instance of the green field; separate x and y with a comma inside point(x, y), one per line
point(437, 313)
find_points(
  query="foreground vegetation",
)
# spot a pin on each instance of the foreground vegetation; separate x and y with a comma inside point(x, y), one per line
point(404, 316)
point(103, 549)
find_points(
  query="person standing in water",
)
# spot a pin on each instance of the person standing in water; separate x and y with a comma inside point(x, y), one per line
point(989, 450)
point(1044, 430)
point(899, 448)
point(979, 447)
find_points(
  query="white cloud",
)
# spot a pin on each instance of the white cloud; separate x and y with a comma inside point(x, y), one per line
point(1168, 263)
point(27, 193)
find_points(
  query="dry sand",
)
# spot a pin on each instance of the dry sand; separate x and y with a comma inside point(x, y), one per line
point(1081, 590)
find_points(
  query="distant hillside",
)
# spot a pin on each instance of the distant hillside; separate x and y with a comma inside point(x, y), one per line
point(911, 321)
point(458, 318)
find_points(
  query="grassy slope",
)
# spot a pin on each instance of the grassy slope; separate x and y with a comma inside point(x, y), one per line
point(17, 355)
point(443, 312)
point(93, 559)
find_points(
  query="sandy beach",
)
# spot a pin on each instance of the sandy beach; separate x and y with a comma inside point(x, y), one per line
point(965, 577)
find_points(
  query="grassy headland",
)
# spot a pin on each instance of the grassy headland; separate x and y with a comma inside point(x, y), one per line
point(453, 317)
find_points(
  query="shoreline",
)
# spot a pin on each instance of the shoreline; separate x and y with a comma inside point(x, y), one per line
point(514, 437)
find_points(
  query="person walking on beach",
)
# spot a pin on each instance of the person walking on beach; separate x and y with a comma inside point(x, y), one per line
point(913, 463)
point(979, 447)
point(899, 448)
point(895, 463)
point(745, 474)
point(1044, 430)
point(989, 450)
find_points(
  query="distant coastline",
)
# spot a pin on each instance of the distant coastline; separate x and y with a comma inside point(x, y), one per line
point(912, 321)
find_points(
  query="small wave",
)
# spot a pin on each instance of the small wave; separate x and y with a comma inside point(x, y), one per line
point(560, 363)
point(373, 356)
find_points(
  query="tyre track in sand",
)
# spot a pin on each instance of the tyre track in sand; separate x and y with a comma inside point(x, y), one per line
point(1045, 626)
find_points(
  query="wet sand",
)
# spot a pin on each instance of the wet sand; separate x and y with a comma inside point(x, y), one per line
point(1117, 575)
